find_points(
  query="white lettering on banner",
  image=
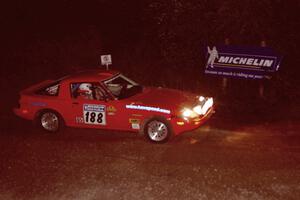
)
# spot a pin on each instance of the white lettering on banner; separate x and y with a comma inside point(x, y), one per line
point(235, 74)
point(236, 60)
point(155, 109)
point(245, 61)
point(223, 59)
point(250, 61)
point(268, 63)
point(256, 63)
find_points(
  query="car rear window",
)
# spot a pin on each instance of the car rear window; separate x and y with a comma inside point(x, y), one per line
point(50, 90)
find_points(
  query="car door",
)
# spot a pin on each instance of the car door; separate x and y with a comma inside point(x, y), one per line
point(92, 108)
point(89, 106)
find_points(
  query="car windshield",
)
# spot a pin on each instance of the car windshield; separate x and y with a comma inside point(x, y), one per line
point(122, 87)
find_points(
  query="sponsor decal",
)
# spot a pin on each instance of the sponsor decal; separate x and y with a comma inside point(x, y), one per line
point(148, 108)
point(79, 120)
point(94, 114)
point(254, 63)
point(38, 104)
point(135, 123)
point(137, 115)
point(111, 109)
point(135, 126)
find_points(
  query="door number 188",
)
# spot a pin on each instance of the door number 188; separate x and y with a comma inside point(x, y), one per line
point(93, 117)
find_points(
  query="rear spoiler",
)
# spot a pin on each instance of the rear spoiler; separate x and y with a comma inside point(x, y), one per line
point(36, 86)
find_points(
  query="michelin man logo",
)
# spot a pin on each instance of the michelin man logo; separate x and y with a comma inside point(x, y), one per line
point(213, 55)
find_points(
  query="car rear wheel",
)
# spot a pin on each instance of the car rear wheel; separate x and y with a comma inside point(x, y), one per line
point(157, 130)
point(50, 121)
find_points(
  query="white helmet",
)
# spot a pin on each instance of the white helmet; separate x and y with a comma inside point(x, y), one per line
point(86, 88)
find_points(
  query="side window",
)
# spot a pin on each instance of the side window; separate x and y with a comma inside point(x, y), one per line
point(116, 85)
point(51, 90)
point(87, 90)
point(121, 87)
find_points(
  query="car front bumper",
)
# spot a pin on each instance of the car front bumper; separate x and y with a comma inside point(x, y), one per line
point(181, 125)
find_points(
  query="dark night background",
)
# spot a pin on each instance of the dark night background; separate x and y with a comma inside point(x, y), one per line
point(160, 42)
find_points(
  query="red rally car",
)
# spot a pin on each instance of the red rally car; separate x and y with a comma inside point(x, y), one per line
point(109, 100)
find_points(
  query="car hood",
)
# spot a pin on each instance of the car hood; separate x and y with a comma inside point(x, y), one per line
point(164, 98)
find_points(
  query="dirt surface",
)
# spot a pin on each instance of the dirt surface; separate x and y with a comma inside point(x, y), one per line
point(221, 160)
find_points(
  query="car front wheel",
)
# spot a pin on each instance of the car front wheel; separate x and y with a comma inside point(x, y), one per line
point(157, 130)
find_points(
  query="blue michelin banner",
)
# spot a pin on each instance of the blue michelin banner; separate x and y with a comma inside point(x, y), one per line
point(242, 62)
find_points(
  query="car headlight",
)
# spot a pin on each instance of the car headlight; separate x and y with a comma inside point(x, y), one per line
point(198, 110)
point(188, 113)
point(201, 98)
point(202, 110)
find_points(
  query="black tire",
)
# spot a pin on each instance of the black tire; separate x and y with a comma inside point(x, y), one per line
point(49, 121)
point(157, 130)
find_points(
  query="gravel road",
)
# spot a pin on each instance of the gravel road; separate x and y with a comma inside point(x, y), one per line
point(218, 161)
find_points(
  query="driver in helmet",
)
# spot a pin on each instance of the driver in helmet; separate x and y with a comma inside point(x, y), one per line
point(85, 91)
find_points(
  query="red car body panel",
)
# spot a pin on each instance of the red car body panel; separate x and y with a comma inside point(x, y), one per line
point(127, 114)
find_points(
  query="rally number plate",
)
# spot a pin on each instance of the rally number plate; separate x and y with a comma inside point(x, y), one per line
point(94, 114)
